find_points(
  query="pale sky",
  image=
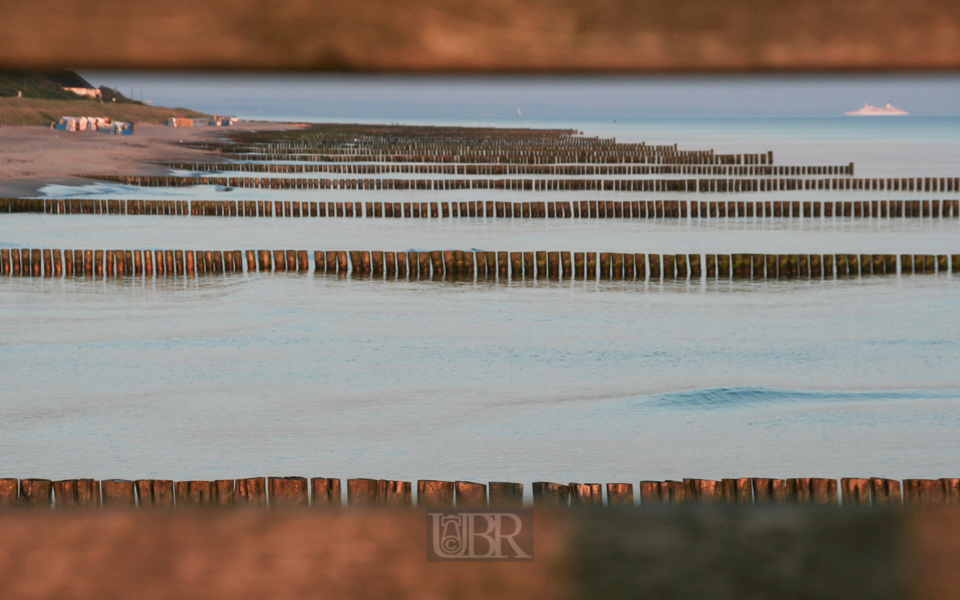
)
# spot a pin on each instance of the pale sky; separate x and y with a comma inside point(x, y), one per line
point(381, 96)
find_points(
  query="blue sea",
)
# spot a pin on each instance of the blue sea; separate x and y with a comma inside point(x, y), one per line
point(304, 374)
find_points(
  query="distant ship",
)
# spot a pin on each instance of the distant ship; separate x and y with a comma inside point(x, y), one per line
point(872, 111)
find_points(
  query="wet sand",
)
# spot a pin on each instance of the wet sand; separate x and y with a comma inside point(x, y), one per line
point(31, 157)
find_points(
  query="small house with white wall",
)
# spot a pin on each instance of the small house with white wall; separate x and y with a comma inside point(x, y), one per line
point(73, 82)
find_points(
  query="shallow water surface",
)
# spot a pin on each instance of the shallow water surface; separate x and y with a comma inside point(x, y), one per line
point(279, 373)
point(664, 236)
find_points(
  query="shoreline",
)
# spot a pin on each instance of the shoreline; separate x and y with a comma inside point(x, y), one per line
point(32, 157)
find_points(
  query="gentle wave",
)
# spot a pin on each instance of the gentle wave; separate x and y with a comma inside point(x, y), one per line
point(734, 397)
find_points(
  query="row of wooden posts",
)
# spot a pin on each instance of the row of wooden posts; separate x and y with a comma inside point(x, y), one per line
point(468, 264)
point(585, 209)
point(412, 139)
point(331, 143)
point(723, 185)
point(451, 155)
point(326, 492)
point(530, 143)
point(514, 169)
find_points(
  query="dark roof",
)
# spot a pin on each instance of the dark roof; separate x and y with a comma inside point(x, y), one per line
point(69, 79)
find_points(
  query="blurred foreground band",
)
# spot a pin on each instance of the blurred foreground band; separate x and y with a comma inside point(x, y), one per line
point(482, 35)
point(290, 554)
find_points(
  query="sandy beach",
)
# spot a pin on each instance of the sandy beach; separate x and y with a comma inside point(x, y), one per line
point(31, 157)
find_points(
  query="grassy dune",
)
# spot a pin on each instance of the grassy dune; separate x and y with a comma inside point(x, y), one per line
point(33, 111)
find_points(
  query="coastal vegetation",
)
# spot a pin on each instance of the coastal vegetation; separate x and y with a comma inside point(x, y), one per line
point(39, 98)
point(33, 111)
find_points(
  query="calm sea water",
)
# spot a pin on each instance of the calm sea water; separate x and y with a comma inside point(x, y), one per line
point(280, 374)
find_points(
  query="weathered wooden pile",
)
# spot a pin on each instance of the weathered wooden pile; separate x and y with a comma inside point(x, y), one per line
point(702, 185)
point(449, 145)
point(584, 209)
point(326, 492)
point(368, 168)
point(468, 264)
point(478, 152)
